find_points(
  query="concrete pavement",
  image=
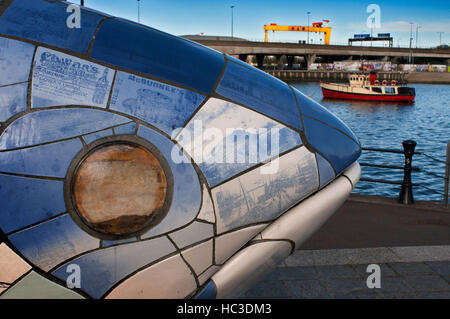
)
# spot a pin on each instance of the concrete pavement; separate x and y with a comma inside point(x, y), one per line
point(406, 272)
point(410, 243)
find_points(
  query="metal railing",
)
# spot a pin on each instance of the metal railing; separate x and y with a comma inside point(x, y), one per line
point(406, 192)
point(341, 43)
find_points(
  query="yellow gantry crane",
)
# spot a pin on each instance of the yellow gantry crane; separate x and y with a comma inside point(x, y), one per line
point(317, 27)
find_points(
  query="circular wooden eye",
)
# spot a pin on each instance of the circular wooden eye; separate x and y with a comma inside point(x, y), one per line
point(118, 188)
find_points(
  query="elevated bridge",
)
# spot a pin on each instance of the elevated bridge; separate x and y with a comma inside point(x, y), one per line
point(328, 53)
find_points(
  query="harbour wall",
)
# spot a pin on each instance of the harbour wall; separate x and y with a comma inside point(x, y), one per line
point(342, 76)
point(332, 76)
point(429, 77)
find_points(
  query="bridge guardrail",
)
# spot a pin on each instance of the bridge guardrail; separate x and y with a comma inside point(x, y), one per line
point(401, 46)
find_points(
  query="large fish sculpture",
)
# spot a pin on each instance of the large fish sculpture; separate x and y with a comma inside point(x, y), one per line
point(137, 164)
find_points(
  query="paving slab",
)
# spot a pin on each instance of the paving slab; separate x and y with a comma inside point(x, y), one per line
point(307, 289)
point(422, 272)
point(373, 221)
point(411, 268)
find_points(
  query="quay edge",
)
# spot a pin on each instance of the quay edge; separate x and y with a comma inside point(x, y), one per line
point(342, 76)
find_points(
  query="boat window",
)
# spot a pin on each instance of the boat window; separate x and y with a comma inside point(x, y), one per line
point(403, 90)
point(378, 90)
point(390, 90)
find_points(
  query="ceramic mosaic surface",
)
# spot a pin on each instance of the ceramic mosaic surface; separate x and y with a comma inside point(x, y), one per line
point(99, 115)
point(61, 79)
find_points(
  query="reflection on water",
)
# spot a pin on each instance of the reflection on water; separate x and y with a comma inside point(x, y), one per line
point(386, 125)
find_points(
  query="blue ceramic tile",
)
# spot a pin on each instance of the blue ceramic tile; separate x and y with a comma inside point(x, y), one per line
point(26, 201)
point(95, 136)
point(15, 61)
point(340, 150)
point(45, 22)
point(255, 197)
point(164, 106)
point(311, 108)
point(102, 269)
point(191, 234)
point(107, 243)
point(158, 54)
point(243, 132)
point(52, 125)
point(129, 128)
point(325, 170)
point(187, 193)
point(218, 172)
point(103, 14)
point(61, 79)
point(81, 38)
point(209, 292)
point(244, 64)
point(50, 160)
point(260, 92)
point(13, 100)
point(51, 243)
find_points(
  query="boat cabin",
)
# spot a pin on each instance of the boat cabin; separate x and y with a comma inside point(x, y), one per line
point(372, 84)
point(359, 80)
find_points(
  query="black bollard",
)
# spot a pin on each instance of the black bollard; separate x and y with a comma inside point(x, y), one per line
point(406, 194)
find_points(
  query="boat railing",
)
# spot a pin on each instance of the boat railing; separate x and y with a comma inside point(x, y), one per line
point(406, 191)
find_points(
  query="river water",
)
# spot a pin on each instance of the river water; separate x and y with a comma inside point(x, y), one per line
point(386, 125)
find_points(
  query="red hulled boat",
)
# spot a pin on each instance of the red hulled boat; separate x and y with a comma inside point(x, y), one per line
point(368, 88)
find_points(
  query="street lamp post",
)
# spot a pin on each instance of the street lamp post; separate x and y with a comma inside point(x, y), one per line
point(371, 31)
point(410, 42)
point(232, 21)
point(139, 11)
point(308, 13)
point(82, 3)
point(417, 35)
point(440, 37)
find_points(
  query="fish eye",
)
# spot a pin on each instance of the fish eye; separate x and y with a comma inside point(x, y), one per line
point(117, 189)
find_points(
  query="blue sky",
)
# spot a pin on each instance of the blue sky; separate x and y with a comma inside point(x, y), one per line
point(213, 17)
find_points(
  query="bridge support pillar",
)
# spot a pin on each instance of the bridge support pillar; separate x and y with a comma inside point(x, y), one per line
point(290, 61)
point(243, 57)
point(303, 63)
point(396, 60)
point(280, 59)
point(310, 58)
point(260, 60)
